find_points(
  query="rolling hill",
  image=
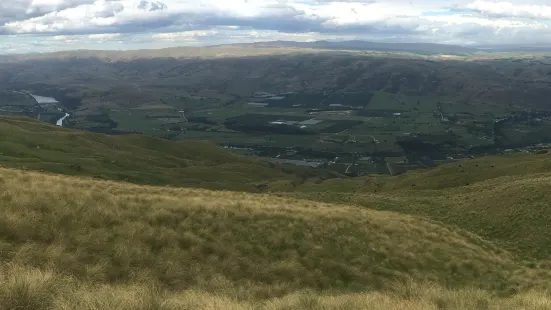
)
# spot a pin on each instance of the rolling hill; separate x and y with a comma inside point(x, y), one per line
point(29, 144)
point(501, 198)
point(173, 77)
point(460, 194)
point(469, 235)
point(72, 242)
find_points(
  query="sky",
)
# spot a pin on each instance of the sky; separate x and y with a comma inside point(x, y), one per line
point(28, 26)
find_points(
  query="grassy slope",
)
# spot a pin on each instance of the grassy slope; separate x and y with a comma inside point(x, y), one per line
point(31, 288)
point(26, 143)
point(441, 193)
point(68, 242)
point(472, 171)
point(502, 198)
point(81, 243)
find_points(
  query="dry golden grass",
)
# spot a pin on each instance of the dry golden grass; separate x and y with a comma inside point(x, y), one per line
point(31, 288)
point(76, 243)
point(509, 210)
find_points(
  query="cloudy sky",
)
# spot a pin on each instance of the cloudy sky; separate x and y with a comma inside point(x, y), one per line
point(48, 25)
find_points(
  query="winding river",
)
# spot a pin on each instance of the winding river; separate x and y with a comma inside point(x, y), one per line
point(60, 121)
point(49, 100)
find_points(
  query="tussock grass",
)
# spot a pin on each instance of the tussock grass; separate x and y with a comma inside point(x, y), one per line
point(506, 204)
point(510, 211)
point(82, 243)
point(31, 288)
point(118, 233)
point(462, 194)
point(75, 243)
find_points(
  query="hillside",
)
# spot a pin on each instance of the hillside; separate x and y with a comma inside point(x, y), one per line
point(70, 243)
point(30, 144)
point(467, 235)
point(178, 75)
point(502, 198)
point(173, 52)
point(461, 194)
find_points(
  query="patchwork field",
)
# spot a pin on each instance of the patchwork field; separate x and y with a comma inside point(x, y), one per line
point(320, 126)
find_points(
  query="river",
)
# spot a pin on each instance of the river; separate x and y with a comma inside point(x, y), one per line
point(49, 100)
point(60, 121)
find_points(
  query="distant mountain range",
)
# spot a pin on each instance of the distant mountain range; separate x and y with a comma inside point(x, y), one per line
point(515, 48)
point(424, 48)
point(282, 47)
point(419, 48)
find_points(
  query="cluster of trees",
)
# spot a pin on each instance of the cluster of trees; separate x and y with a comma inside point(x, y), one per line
point(202, 120)
point(102, 118)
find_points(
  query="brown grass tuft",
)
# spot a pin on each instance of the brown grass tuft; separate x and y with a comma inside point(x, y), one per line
point(74, 243)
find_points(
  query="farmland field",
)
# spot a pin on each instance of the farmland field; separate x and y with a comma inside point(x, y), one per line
point(312, 125)
point(320, 125)
point(12, 103)
point(137, 120)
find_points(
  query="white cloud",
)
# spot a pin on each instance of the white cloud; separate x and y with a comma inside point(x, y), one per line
point(104, 36)
point(510, 10)
point(183, 36)
point(201, 21)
